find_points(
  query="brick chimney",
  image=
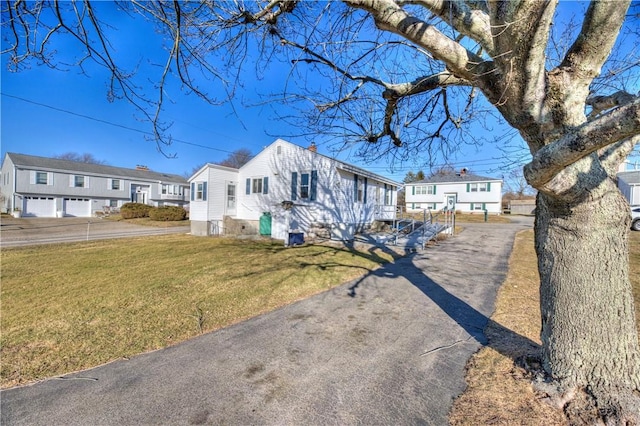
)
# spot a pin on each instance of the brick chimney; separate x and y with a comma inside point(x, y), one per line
point(141, 167)
point(313, 147)
point(463, 171)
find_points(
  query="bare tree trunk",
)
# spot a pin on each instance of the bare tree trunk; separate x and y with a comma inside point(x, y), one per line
point(589, 332)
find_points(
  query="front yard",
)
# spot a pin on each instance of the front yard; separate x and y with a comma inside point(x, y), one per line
point(498, 391)
point(73, 306)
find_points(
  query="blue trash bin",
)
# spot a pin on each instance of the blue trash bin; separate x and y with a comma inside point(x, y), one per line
point(296, 238)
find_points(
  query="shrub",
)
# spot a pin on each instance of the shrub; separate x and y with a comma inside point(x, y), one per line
point(134, 210)
point(167, 213)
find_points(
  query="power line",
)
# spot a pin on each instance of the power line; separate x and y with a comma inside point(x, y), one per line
point(488, 162)
point(110, 123)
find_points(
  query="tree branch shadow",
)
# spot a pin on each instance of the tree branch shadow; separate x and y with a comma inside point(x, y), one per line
point(477, 325)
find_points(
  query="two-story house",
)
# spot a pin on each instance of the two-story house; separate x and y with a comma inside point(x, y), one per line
point(50, 187)
point(463, 191)
point(289, 188)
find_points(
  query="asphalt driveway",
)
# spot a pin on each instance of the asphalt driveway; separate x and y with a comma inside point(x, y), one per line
point(389, 348)
point(28, 231)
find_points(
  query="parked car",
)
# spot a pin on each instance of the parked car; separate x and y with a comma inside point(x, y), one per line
point(635, 218)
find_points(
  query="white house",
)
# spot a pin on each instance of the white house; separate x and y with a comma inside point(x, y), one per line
point(629, 184)
point(285, 189)
point(50, 187)
point(466, 192)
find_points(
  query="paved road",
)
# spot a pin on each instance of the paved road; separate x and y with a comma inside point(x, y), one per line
point(30, 231)
point(386, 349)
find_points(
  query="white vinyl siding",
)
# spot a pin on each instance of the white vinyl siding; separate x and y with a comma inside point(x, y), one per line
point(322, 191)
point(483, 195)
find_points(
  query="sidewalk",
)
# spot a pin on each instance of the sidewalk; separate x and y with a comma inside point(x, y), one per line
point(31, 231)
point(389, 348)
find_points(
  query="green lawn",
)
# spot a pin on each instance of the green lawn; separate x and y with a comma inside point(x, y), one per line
point(73, 306)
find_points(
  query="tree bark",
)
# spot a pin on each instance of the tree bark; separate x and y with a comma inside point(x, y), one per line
point(588, 332)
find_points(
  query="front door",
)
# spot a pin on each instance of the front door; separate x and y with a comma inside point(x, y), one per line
point(140, 193)
point(451, 202)
point(140, 197)
point(230, 208)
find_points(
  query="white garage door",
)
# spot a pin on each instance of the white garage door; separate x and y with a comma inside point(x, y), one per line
point(79, 207)
point(40, 206)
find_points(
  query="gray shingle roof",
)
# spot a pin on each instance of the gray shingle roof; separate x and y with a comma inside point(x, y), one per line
point(55, 164)
point(455, 178)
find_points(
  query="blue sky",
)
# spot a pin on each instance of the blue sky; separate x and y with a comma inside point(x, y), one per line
point(48, 112)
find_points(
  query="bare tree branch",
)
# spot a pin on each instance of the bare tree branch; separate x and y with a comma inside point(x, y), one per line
point(605, 130)
point(521, 31)
point(583, 62)
point(389, 16)
point(599, 104)
point(317, 58)
point(596, 39)
point(612, 156)
point(423, 84)
point(474, 23)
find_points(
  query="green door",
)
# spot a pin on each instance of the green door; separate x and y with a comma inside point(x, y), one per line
point(265, 223)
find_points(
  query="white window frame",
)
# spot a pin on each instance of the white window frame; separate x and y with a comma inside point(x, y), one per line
point(482, 187)
point(79, 179)
point(360, 190)
point(425, 189)
point(198, 196)
point(473, 187)
point(113, 185)
point(305, 188)
point(256, 185)
point(46, 178)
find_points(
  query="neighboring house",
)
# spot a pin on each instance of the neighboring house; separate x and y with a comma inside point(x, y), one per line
point(527, 207)
point(285, 189)
point(629, 184)
point(49, 187)
point(466, 192)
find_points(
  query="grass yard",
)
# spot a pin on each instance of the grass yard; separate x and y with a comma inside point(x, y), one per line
point(73, 306)
point(479, 217)
point(498, 392)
